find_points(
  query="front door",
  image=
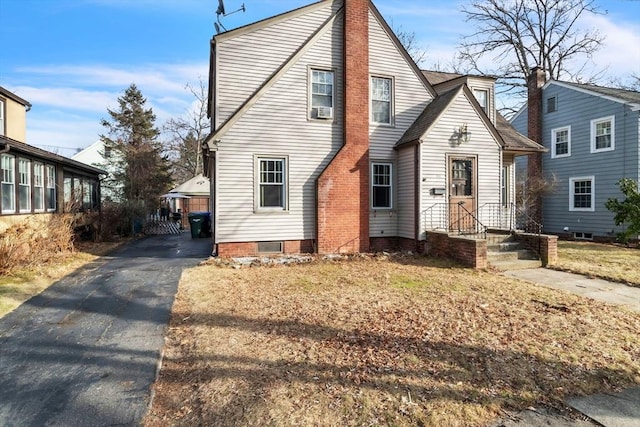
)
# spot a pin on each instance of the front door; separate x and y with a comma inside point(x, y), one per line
point(462, 189)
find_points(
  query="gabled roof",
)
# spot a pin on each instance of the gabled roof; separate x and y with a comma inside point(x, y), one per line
point(14, 97)
point(439, 77)
point(505, 135)
point(612, 94)
point(196, 186)
point(514, 140)
point(429, 117)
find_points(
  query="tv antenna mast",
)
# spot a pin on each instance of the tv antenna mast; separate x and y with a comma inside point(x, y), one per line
point(221, 12)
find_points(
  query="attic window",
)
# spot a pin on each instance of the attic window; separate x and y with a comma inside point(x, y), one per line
point(552, 104)
point(482, 97)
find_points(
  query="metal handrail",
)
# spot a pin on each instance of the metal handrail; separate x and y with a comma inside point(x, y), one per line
point(438, 217)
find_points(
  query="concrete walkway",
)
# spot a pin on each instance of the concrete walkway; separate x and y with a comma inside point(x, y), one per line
point(609, 410)
point(86, 350)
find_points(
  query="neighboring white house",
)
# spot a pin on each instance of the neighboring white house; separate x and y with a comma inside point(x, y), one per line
point(95, 155)
point(327, 137)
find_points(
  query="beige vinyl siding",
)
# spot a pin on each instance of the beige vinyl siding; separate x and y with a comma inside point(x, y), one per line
point(277, 125)
point(406, 192)
point(246, 61)
point(437, 146)
point(410, 97)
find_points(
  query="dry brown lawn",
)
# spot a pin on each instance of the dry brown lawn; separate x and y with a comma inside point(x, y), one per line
point(605, 261)
point(24, 283)
point(377, 341)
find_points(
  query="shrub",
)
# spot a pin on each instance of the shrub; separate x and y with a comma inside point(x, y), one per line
point(627, 212)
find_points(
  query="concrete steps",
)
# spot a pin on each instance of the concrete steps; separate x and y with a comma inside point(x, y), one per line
point(505, 253)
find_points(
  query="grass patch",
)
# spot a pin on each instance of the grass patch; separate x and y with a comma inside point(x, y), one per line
point(379, 341)
point(24, 283)
point(605, 261)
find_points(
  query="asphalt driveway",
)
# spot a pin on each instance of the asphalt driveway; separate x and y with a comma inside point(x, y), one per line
point(86, 350)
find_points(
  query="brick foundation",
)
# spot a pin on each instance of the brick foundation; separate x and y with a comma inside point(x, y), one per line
point(237, 249)
point(468, 251)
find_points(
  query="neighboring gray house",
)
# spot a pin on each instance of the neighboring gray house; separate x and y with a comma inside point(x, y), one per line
point(592, 134)
point(328, 138)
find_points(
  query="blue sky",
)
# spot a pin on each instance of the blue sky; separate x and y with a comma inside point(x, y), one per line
point(72, 59)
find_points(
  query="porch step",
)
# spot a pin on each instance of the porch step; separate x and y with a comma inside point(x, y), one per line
point(520, 264)
point(504, 252)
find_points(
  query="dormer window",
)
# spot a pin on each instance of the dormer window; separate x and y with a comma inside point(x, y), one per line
point(482, 96)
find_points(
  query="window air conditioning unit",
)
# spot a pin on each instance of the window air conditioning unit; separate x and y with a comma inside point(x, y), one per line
point(325, 112)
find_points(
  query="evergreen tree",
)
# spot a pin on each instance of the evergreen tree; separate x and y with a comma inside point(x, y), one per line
point(140, 169)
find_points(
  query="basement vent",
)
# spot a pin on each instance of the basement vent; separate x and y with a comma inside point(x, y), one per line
point(270, 247)
point(583, 236)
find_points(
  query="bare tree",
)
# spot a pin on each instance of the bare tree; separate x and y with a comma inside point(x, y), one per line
point(522, 34)
point(187, 134)
point(410, 43)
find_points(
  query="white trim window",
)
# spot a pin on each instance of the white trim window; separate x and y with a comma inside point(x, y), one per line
point(8, 163)
point(24, 184)
point(322, 94)
point(382, 100)
point(561, 142)
point(51, 188)
point(271, 183)
point(381, 185)
point(603, 134)
point(38, 187)
point(582, 194)
point(482, 96)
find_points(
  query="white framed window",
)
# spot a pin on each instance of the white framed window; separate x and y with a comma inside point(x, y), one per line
point(603, 134)
point(24, 185)
point(38, 187)
point(561, 142)
point(322, 94)
point(51, 188)
point(381, 185)
point(271, 183)
point(8, 163)
point(2, 104)
point(482, 96)
point(582, 194)
point(382, 100)
point(552, 104)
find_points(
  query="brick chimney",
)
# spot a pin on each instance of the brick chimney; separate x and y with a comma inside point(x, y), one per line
point(343, 187)
point(535, 82)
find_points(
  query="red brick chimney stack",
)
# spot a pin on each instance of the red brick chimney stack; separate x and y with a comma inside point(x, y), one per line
point(343, 187)
point(535, 82)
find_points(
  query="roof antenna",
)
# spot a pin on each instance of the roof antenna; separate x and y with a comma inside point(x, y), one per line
point(221, 12)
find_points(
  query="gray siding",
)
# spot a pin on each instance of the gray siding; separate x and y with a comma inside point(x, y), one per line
point(410, 99)
point(246, 61)
point(406, 193)
point(437, 147)
point(278, 125)
point(576, 109)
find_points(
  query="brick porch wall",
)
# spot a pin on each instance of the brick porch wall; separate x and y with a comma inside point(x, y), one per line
point(470, 252)
point(548, 246)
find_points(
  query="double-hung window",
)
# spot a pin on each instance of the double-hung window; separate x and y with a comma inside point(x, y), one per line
point(24, 185)
point(603, 134)
point(8, 163)
point(482, 96)
point(38, 187)
point(322, 94)
point(51, 188)
point(381, 100)
point(582, 194)
point(381, 186)
point(271, 183)
point(561, 142)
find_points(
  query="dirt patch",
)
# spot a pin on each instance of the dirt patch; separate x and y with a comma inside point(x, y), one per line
point(379, 341)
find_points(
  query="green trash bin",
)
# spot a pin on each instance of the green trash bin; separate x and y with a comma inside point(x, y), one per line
point(196, 221)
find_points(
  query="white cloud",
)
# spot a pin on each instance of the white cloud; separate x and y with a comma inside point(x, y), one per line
point(621, 47)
